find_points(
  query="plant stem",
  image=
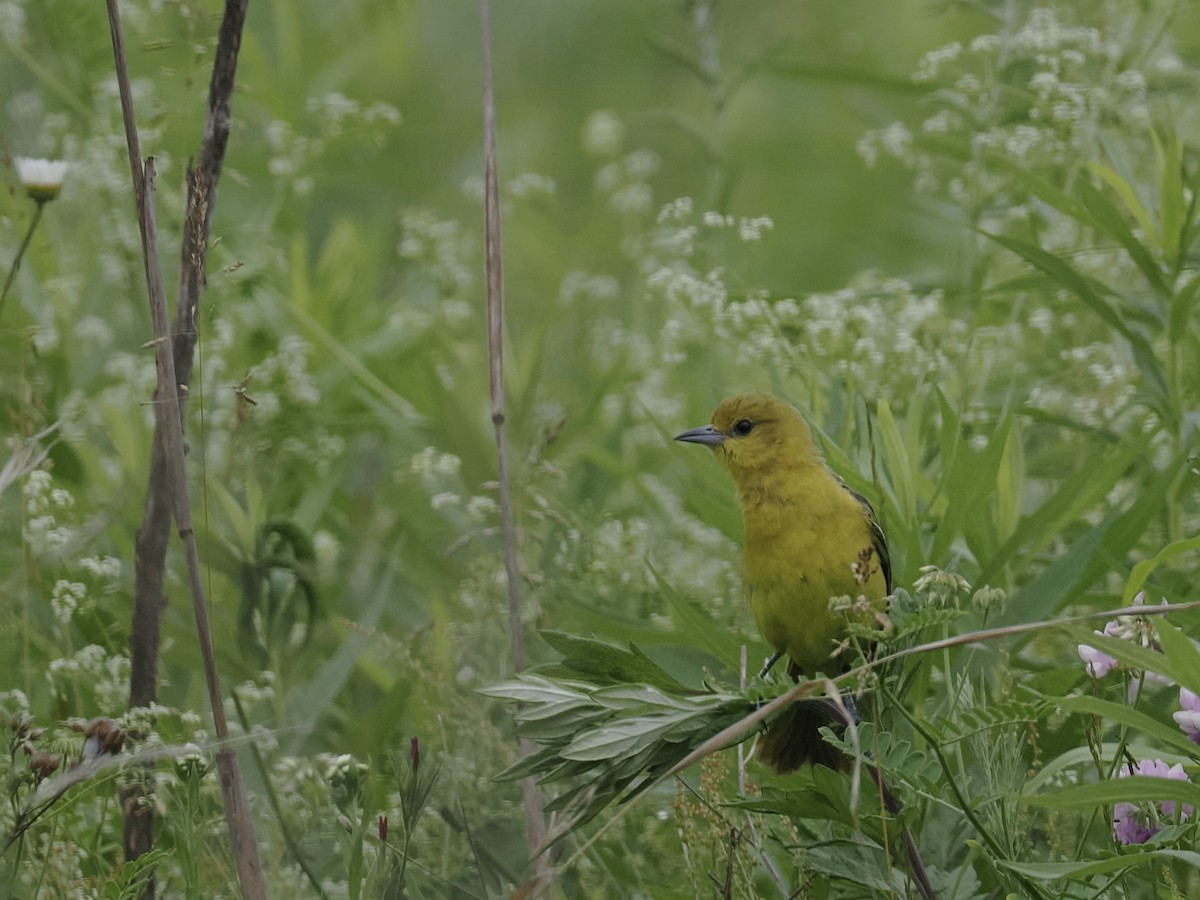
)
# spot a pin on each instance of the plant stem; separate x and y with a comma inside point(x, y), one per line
point(12, 273)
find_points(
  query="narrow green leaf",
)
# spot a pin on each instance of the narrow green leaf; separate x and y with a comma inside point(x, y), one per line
point(535, 689)
point(1067, 276)
point(1044, 190)
point(1109, 219)
point(697, 627)
point(1128, 196)
point(1142, 571)
point(1135, 789)
point(1182, 652)
point(1078, 757)
point(1172, 201)
point(896, 457)
point(1010, 481)
point(1145, 725)
point(1088, 868)
point(1127, 652)
point(619, 739)
point(1092, 555)
point(1182, 306)
point(611, 664)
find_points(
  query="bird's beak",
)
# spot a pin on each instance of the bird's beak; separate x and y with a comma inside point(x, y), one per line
point(705, 434)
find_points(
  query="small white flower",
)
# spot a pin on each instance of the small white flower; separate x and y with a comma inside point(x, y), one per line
point(41, 178)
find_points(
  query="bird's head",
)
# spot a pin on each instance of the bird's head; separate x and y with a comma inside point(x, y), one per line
point(754, 435)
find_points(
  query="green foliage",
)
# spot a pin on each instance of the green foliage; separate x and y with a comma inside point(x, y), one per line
point(989, 315)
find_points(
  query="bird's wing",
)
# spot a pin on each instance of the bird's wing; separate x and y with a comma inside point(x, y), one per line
point(878, 540)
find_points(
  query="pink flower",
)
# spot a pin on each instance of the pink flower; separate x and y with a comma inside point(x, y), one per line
point(1133, 823)
point(1188, 718)
point(1133, 628)
point(1098, 663)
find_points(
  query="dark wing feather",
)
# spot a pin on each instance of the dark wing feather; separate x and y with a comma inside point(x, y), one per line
point(878, 540)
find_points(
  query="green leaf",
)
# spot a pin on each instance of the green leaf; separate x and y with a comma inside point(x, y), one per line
point(1129, 653)
point(611, 664)
point(1142, 570)
point(697, 627)
point(620, 738)
point(1010, 483)
point(1044, 190)
point(1109, 219)
point(899, 466)
point(1135, 789)
point(1107, 751)
point(536, 689)
point(1088, 291)
point(1124, 714)
point(1182, 652)
point(1182, 306)
point(1090, 867)
point(1172, 201)
point(1092, 555)
point(1128, 195)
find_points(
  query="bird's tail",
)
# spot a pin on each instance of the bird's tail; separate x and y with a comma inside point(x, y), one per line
point(793, 738)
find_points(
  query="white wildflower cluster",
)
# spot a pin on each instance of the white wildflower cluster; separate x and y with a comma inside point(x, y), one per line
point(283, 378)
point(444, 255)
point(603, 133)
point(439, 474)
point(12, 21)
point(608, 562)
point(335, 112)
point(1044, 102)
point(65, 598)
point(531, 184)
point(431, 463)
point(1096, 385)
point(625, 182)
point(14, 703)
point(130, 381)
point(293, 154)
point(44, 532)
point(104, 675)
point(578, 284)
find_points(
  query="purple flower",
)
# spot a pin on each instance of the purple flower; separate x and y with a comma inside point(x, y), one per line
point(1136, 629)
point(1127, 827)
point(1188, 718)
point(1134, 823)
point(1098, 662)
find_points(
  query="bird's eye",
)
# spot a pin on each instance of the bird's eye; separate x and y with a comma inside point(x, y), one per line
point(743, 428)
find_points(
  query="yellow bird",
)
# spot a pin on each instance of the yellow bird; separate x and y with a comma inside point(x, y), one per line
point(808, 538)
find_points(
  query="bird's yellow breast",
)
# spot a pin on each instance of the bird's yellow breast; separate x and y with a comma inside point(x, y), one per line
point(804, 535)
